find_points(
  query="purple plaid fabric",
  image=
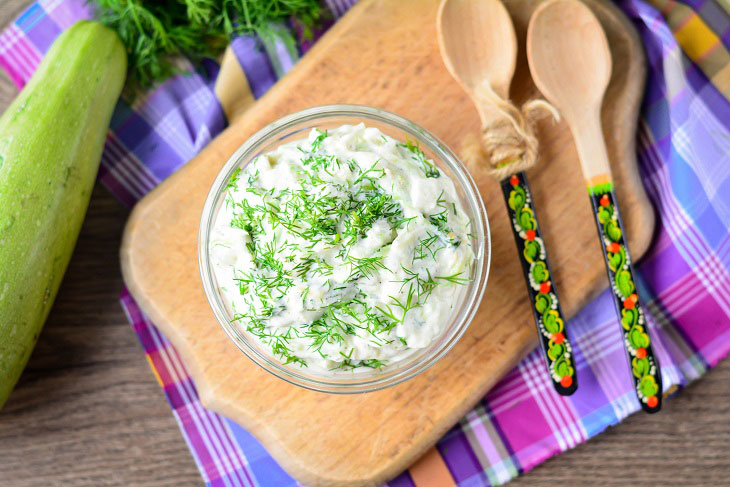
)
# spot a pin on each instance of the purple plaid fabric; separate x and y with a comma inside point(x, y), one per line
point(684, 153)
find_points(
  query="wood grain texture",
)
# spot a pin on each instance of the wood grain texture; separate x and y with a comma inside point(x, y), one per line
point(398, 68)
point(88, 412)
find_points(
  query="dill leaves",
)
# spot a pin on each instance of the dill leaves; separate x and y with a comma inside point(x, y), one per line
point(154, 32)
point(429, 169)
point(309, 288)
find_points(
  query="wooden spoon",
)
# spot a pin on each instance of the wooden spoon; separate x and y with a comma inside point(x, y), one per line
point(570, 63)
point(479, 46)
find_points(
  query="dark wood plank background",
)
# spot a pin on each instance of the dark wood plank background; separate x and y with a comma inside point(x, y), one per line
point(88, 411)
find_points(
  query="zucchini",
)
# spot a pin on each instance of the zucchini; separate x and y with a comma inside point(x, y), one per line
point(51, 139)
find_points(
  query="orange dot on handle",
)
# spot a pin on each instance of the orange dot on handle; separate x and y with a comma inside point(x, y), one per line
point(558, 338)
point(566, 381)
point(652, 402)
point(641, 353)
point(514, 181)
point(629, 304)
point(613, 248)
point(545, 287)
point(530, 235)
point(604, 200)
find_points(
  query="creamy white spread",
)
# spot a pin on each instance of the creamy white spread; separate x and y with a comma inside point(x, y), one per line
point(347, 249)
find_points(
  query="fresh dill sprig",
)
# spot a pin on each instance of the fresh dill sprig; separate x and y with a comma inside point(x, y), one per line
point(455, 279)
point(372, 169)
point(424, 286)
point(365, 266)
point(427, 246)
point(154, 32)
point(404, 306)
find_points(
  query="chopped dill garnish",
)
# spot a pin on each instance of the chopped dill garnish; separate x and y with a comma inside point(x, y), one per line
point(428, 168)
point(427, 246)
point(317, 144)
point(440, 220)
point(319, 246)
point(401, 222)
point(404, 306)
point(233, 182)
point(372, 363)
point(424, 287)
point(455, 279)
point(350, 364)
point(376, 172)
point(365, 266)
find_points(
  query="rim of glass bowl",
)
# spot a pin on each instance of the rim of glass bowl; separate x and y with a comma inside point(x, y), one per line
point(378, 379)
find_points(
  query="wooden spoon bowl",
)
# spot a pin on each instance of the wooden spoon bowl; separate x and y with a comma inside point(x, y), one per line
point(578, 82)
point(478, 46)
point(570, 63)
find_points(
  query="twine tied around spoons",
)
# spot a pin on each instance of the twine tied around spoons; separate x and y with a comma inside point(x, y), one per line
point(507, 143)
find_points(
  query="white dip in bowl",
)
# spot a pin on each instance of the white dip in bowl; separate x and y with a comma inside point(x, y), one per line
point(344, 250)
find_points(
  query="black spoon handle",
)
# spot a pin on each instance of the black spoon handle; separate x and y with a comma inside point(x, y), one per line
point(543, 295)
point(645, 370)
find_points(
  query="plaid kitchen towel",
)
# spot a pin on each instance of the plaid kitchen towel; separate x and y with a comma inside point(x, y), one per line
point(684, 154)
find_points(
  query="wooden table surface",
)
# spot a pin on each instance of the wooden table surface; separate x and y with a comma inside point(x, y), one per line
point(88, 411)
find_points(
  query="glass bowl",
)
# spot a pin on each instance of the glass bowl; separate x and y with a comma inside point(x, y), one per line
point(296, 126)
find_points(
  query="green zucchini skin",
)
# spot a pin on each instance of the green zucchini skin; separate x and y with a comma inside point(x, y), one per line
point(51, 140)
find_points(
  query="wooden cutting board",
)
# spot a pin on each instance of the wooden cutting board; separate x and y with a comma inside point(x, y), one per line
point(384, 54)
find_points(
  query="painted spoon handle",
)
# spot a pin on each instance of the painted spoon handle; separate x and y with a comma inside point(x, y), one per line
point(556, 347)
point(645, 370)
